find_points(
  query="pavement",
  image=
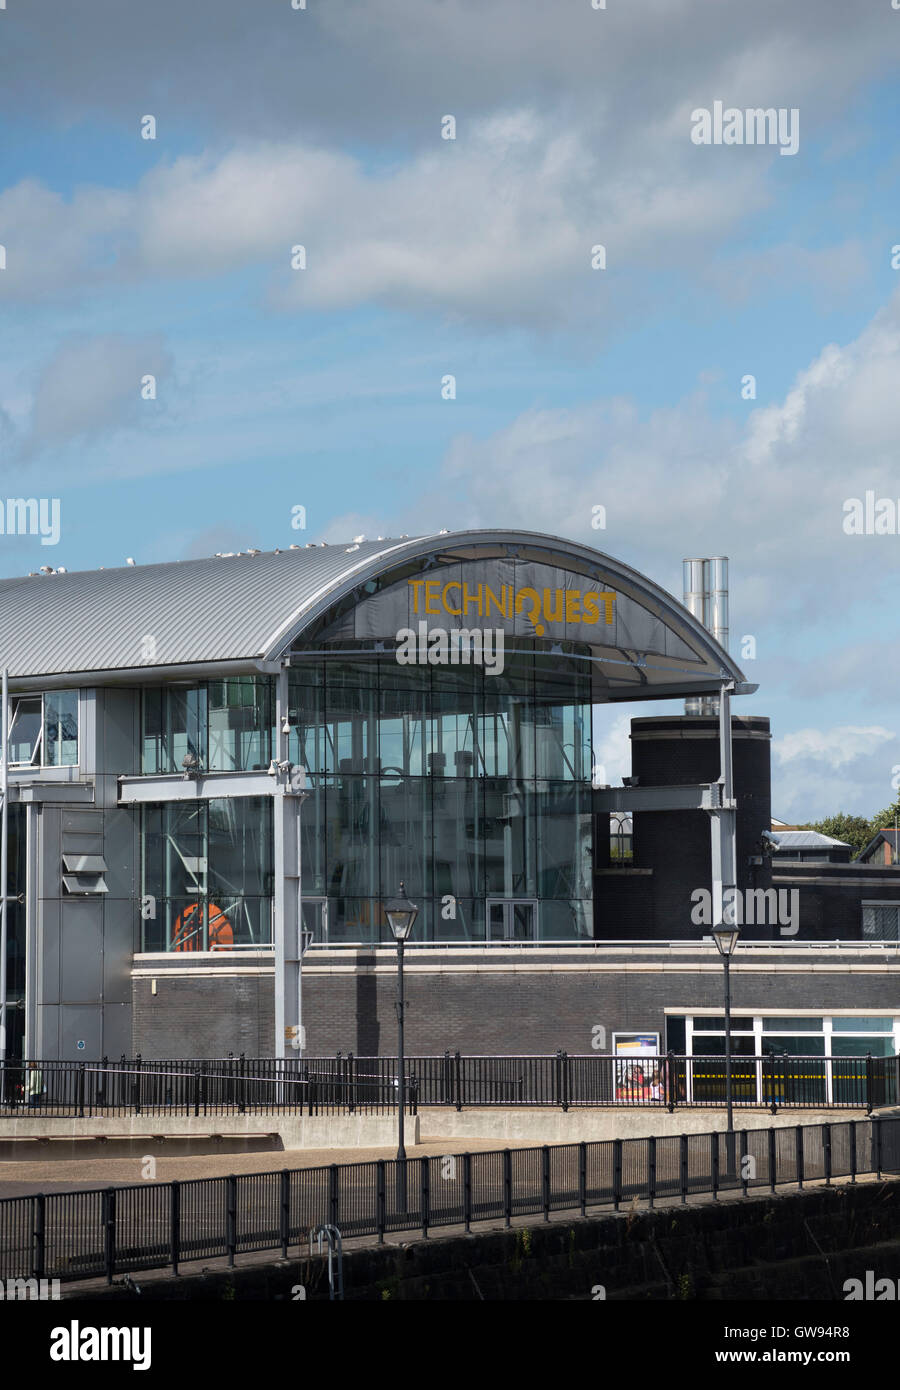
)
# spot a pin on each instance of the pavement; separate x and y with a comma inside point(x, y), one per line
point(23, 1178)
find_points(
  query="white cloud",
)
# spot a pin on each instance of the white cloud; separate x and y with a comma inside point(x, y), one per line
point(92, 384)
point(832, 748)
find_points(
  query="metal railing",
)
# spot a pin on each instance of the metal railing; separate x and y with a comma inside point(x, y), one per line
point(117, 1230)
point(322, 1085)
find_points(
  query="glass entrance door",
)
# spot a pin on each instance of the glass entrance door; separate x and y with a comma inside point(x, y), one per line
point(511, 919)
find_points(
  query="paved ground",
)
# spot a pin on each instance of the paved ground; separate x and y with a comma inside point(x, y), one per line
point(21, 1179)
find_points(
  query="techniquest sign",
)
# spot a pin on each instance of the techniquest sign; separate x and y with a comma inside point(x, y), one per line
point(457, 599)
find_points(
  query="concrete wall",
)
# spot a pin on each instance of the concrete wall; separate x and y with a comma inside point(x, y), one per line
point(794, 1246)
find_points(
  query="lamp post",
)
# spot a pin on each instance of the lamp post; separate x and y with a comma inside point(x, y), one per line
point(726, 939)
point(401, 915)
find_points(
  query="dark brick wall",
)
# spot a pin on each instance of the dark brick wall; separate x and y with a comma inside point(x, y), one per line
point(830, 905)
point(204, 1017)
point(472, 1012)
point(675, 846)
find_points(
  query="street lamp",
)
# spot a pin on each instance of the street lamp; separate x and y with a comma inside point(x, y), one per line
point(401, 915)
point(726, 939)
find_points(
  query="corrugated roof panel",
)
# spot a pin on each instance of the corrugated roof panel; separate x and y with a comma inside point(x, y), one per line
point(216, 609)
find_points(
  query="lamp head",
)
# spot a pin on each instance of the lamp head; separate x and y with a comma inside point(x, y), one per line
point(401, 914)
point(726, 939)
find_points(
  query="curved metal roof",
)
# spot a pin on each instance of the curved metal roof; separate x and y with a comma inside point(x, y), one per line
point(248, 608)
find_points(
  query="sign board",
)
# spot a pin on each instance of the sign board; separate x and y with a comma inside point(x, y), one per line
point(636, 1044)
point(525, 599)
point(638, 1070)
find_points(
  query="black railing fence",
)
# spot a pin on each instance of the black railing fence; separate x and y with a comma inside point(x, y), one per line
point(263, 1085)
point(82, 1235)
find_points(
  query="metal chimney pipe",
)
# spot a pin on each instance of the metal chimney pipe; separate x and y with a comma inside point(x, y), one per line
point(695, 585)
point(718, 599)
point(705, 583)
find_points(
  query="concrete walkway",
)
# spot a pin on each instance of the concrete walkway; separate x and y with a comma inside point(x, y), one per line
point(25, 1178)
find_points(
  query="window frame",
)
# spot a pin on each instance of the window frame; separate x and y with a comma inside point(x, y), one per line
point(38, 756)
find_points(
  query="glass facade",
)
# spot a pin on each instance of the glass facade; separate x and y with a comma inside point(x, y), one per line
point(218, 726)
point(473, 789)
point(206, 874)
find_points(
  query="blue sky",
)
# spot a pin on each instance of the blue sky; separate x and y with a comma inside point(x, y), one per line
point(472, 257)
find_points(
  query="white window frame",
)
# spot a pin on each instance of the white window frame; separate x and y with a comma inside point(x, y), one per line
point(37, 757)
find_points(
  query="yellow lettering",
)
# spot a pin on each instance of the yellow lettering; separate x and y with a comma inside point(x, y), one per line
point(535, 613)
point(453, 584)
point(573, 601)
point(591, 613)
point(498, 603)
point(468, 598)
point(553, 613)
point(608, 600)
point(416, 586)
point(431, 587)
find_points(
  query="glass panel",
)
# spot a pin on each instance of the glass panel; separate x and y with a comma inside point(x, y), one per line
point(713, 1045)
point(207, 869)
point(308, 743)
point(717, 1025)
point(859, 1046)
point(509, 839)
point(174, 726)
point(454, 836)
point(621, 837)
point(401, 731)
point(404, 838)
point(792, 1025)
point(564, 841)
point(314, 915)
point(496, 921)
point(522, 922)
point(240, 715)
point(862, 1025)
point(314, 838)
point(358, 919)
point(353, 820)
point(675, 1035)
point(61, 728)
point(466, 925)
point(452, 733)
point(507, 735)
point(795, 1046)
point(25, 730)
point(352, 718)
point(565, 919)
point(151, 732)
point(880, 922)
